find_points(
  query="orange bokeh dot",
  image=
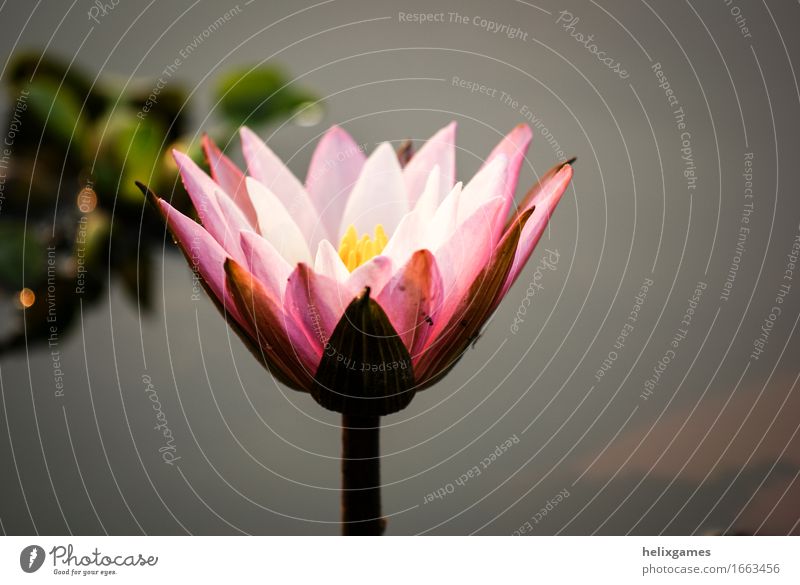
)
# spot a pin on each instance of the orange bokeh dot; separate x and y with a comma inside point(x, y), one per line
point(87, 200)
point(26, 298)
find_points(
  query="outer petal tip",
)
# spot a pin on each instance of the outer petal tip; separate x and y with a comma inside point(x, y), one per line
point(163, 206)
point(245, 131)
point(231, 267)
point(566, 171)
point(247, 138)
point(335, 130)
point(523, 129)
point(147, 192)
point(210, 149)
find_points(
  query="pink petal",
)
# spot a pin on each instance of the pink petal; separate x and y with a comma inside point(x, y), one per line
point(316, 303)
point(332, 174)
point(489, 182)
point(204, 254)
point(444, 222)
point(411, 300)
point(271, 329)
point(277, 225)
point(545, 202)
point(539, 190)
point(439, 150)
point(461, 258)
point(265, 166)
point(266, 263)
point(474, 308)
point(379, 195)
point(514, 146)
point(217, 211)
point(374, 273)
point(230, 178)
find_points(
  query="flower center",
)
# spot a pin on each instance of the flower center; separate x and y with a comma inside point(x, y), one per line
point(354, 251)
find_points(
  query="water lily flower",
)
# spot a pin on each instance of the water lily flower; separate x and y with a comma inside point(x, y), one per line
point(285, 260)
point(368, 282)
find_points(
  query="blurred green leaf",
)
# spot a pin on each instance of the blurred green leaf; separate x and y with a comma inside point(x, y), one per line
point(56, 109)
point(21, 253)
point(30, 66)
point(171, 106)
point(92, 238)
point(130, 146)
point(257, 96)
point(111, 146)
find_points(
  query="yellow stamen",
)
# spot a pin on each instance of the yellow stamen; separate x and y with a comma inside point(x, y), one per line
point(354, 251)
point(380, 237)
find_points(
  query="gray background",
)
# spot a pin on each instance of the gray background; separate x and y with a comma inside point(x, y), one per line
point(715, 446)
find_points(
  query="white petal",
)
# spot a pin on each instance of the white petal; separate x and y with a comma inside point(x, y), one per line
point(379, 195)
point(410, 233)
point(444, 221)
point(328, 263)
point(407, 238)
point(431, 196)
point(439, 151)
point(276, 224)
point(264, 165)
point(266, 263)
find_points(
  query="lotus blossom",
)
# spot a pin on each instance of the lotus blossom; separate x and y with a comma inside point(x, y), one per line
point(284, 260)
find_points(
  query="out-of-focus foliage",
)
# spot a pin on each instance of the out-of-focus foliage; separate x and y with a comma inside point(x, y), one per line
point(70, 213)
point(258, 95)
point(19, 254)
